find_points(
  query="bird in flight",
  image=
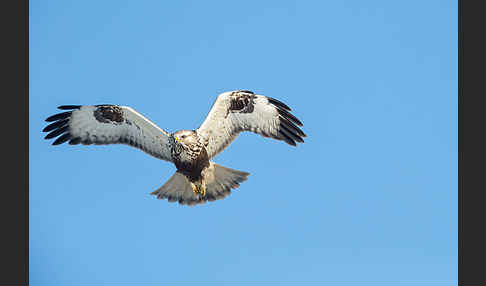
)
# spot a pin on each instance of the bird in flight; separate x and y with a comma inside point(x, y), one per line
point(197, 178)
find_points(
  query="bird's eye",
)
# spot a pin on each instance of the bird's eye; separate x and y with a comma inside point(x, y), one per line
point(183, 136)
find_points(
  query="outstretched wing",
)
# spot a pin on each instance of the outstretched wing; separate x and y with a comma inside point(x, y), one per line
point(108, 124)
point(237, 111)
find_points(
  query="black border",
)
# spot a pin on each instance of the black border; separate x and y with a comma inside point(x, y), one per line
point(15, 175)
point(471, 143)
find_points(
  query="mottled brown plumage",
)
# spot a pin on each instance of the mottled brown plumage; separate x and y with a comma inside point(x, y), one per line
point(192, 158)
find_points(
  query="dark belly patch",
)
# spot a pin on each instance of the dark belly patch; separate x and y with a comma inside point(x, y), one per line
point(192, 170)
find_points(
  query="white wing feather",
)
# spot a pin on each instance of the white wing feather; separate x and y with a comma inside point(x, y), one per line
point(267, 117)
point(131, 128)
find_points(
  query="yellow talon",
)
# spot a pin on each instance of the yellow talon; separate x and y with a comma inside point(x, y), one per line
point(203, 190)
point(198, 189)
point(194, 188)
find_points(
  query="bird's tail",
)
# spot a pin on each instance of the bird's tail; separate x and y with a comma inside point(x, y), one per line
point(219, 181)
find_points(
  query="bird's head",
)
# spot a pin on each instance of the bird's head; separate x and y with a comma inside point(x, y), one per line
point(185, 137)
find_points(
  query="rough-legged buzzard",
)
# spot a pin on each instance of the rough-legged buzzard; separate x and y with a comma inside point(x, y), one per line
point(197, 179)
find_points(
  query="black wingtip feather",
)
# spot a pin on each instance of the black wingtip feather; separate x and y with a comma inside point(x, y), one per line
point(288, 130)
point(59, 116)
point(56, 132)
point(287, 115)
point(290, 134)
point(65, 137)
point(287, 139)
point(55, 125)
point(292, 127)
point(60, 126)
point(69, 107)
point(278, 103)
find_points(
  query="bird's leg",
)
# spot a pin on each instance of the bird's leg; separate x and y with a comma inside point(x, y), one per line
point(202, 189)
point(194, 188)
point(199, 188)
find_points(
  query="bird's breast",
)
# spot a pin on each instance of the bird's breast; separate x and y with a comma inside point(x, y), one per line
point(192, 161)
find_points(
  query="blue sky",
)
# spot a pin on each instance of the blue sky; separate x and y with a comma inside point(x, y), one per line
point(369, 199)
